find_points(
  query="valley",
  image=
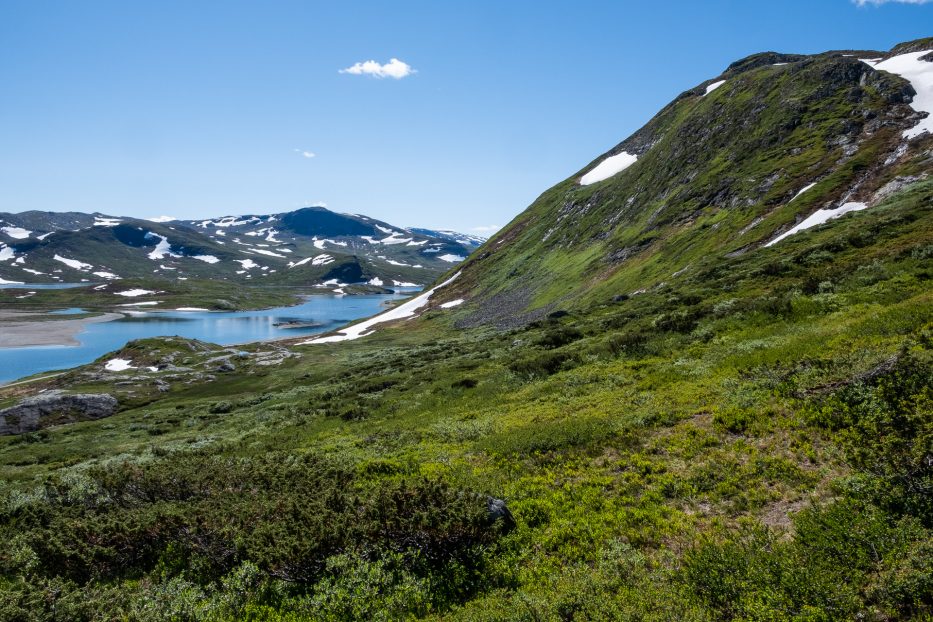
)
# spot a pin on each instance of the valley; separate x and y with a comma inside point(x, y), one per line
point(693, 381)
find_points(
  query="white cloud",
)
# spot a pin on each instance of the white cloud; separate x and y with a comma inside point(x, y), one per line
point(392, 69)
point(880, 2)
point(305, 154)
point(486, 228)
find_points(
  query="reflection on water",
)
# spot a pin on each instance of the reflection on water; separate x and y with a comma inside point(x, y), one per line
point(316, 315)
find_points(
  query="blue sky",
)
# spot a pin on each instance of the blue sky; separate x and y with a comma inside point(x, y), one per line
point(207, 108)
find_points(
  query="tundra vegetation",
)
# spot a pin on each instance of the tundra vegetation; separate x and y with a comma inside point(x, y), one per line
point(683, 423)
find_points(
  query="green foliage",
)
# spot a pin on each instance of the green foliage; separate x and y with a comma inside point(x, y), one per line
point(820, 573)
point(886, 429)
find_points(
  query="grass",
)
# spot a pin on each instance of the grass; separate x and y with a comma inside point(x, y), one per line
point(638, 470)
point(697, 434)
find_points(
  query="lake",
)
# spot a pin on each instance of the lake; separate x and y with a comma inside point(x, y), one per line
point(43, 285)
point(318, 314)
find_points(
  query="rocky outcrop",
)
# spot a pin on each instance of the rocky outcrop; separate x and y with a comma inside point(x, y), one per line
point(55, 407)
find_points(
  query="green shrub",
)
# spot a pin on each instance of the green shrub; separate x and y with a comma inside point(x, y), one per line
point(539, 365)
point(559, 336)
point(734, 420)
point(543, 437)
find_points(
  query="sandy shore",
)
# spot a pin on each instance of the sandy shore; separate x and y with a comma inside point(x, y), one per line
point(17, 330)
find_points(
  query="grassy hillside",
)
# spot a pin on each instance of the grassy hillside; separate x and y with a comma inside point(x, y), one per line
point(716, 176)
point(640, 412)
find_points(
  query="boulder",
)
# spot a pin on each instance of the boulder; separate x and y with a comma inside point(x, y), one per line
point(55, 407)
point(498, 512)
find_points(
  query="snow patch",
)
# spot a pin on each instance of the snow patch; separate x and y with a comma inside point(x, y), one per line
point(452, 303)
point(106, 275)
point(6, 252)
point(205, 258)
point(362, 329)
point(191, 309)
point(5, 282)
point(920, 75)
point(451, 258)
point(804, 189)
point(265, 252)
point(161, 219)
point(162, 249)
point(246, 263)
point(322, 260)
point(375, 281)
point(132, 293)
point(118, 365)
point(73, 263)
point(609, 167)
point(140, 304)
point(17, 233)
point(818, 218)
point(106, 222)
point(712, 87)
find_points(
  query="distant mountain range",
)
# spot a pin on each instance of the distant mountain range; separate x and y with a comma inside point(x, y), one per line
point(309, 246)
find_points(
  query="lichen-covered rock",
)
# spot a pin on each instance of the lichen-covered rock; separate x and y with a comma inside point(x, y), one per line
point(55, 407)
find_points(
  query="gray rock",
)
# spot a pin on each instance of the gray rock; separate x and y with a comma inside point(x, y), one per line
point(54, 407)
point(498, 511)
point(226, 366)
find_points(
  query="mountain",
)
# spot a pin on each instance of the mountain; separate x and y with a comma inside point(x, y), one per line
point(690, 382)
point(473, 241)
point(308, 246)
point(774, 144)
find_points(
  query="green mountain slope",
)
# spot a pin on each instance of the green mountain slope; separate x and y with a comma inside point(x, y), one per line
point(717, 175)
point(639, 412)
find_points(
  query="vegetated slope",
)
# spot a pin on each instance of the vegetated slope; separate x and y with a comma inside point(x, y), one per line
point(750, 440)
point(310, 246)
point(718, 173)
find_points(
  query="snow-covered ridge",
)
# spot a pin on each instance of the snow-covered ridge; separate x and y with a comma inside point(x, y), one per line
point(609, 167)
point(920, 75)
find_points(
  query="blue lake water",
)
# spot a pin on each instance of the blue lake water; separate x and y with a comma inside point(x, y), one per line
point(325, 311)
point(44, 285)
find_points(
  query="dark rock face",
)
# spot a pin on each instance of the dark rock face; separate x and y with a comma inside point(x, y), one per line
point(55, 407)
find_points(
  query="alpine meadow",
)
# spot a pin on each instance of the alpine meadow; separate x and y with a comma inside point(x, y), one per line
point(692, 381)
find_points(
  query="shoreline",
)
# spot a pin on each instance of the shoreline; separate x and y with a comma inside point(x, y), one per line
point(33, 333)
